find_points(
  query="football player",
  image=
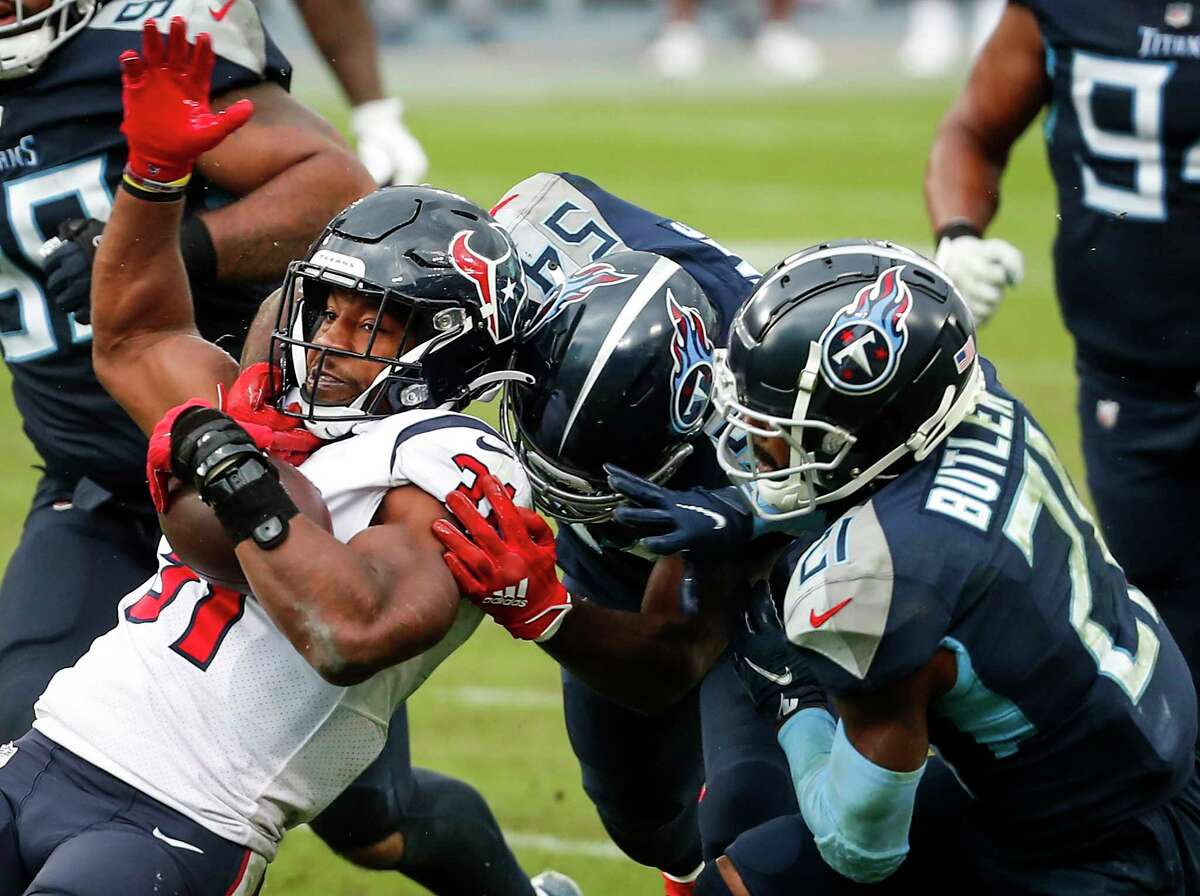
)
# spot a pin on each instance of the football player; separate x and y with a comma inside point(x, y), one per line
point(176, 753)
point(345, 35)
point(1122, 130)
point(255, 203)
point(620, 354)
point(962, 598)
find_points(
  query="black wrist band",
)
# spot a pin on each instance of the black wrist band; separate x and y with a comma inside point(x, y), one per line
point(199, 253)
point(954, 229)
point(250, 502)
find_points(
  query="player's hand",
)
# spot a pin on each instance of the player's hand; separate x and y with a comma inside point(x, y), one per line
point(770, 666)
point(508, 571)
point(386, 147)
point(712, 524)
point(249, 402)
point(981, 269)
point(68, 265)
point(168, 123)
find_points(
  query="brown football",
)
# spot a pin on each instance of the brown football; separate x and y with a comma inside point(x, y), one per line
point(197, 537)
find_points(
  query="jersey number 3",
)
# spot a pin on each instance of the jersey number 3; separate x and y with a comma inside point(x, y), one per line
point(215, 614)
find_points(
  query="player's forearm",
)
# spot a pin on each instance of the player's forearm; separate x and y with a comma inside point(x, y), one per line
point(336, 606)
point(256, 237)
point(962, 182)
point(645, 661)
point(345, 35)
point(139, 284)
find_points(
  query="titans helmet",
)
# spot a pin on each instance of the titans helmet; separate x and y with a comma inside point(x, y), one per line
point(860, 355)
point(621, 357)
point(436, 262)
point(29, 38)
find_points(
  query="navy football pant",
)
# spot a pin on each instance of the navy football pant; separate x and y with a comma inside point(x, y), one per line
point(747, 781)
point(79, 554)
point(69, 829)
point(452, 843)
point(1141, 442)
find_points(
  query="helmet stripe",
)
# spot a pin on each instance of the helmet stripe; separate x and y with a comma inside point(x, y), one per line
point(663, 270)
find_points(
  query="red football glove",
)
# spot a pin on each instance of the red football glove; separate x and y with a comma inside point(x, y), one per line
point(158, 455)
point(168, 123)
point(248, 401)
point(509, 574)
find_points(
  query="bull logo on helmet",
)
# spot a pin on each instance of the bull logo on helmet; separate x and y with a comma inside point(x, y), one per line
point(496, 280)
point(861, 347)
point(577, 287)
point(692, 373)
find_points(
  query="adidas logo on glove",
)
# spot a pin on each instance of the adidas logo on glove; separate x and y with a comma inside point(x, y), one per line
point(512, 596)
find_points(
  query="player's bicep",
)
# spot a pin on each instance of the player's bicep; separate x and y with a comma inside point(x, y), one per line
point(890, 726)
point(149, 376)
point(282, 133)
point(420, 596)
point(1008, 84)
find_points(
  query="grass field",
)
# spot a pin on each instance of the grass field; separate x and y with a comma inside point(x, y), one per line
point(764, 173)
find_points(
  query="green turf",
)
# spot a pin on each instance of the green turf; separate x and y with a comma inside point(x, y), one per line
point(782, 169)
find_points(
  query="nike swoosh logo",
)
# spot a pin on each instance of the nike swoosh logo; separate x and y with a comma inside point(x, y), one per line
point(816, 620)
point(718, 520)
point(219, 14)
point(178, 844)
point(488, 446)
point(783, 680)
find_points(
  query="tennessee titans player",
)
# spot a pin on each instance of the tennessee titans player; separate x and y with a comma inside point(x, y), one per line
point(962, 598)
point(1119, 83)
point(256, 202)
point(620, 355)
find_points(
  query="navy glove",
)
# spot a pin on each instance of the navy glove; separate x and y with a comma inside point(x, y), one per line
point(69, 266)
point(712, 524)
point(771, 667)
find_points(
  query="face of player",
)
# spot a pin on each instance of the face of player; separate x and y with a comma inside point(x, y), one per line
point(347, 323)
point(771, 453)
point(8, 9)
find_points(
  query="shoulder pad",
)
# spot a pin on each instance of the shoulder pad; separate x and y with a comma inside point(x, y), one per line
point(237, 32)
point(441, 452)
point(844, 603)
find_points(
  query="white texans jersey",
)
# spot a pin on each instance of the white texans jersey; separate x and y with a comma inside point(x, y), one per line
point(198, 700)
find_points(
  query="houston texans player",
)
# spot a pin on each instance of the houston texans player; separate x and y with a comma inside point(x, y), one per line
point(620, 354)
point(961, 598)
point(1119, 82)
point(174, 755)
point(256, 202)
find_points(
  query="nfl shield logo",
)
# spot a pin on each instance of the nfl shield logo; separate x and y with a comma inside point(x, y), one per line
point(1178, 15)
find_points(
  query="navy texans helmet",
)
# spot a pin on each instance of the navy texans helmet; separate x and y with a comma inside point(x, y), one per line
point(861, 356)
point(434, 259)
point(621, 355)
point(30, 37)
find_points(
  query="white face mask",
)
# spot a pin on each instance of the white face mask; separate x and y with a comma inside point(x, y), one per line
point(29, 39)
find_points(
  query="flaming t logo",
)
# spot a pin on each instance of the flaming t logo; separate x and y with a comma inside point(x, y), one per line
point(861, 347)
point(692, 374)
point(578, 287)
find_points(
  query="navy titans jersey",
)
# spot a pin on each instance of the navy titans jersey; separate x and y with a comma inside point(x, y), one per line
point(61, 156)
point(1073, 708)
point(1123, 138)
point(565, 221)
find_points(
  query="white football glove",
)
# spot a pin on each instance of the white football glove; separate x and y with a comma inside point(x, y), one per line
point(981, 269)
point(386, 147)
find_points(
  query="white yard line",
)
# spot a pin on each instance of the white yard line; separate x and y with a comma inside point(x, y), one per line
point(562, 846)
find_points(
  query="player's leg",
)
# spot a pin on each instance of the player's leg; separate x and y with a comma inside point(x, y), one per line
point(13, 788)
point(61, 588)
point(432, 828)
point(1140, 445)
point(747, 781)
point(642, 774)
